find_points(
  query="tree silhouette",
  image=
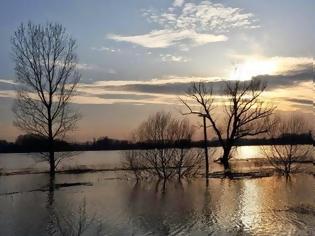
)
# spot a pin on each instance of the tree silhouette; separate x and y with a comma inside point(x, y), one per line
point(244, 114)
point(45, 67)
point(285, 158)
point(167, 155)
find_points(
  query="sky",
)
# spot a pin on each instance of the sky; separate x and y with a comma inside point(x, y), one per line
point(137, 57)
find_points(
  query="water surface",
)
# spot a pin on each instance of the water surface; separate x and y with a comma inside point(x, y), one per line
point(29, 205)
point(266, 206)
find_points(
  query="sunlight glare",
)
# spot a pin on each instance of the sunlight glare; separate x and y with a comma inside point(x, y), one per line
point(251, 68)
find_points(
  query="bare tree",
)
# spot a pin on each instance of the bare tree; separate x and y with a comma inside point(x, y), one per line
point(285, 158)
point(244, 114)
point(131, 161)
point(187, 161)
point(45, 67)
point(165, 155)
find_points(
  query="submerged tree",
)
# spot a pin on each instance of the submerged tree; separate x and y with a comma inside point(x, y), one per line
point(166, 154)
point(243, 113)
point(45, 67)
point(286, 157)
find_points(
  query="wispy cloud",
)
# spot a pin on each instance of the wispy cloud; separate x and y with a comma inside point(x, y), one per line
point(105, 49)
point(205, 16)
point(283, 63)
point(170, 79)
point(193, 25)
point(7, 93)
point(84, 66)
point(292, 64)
point(166, 38)
point(249, 66)
point(295, 79)
point(173, 58)
point(96, 68)
point(301, 101)
point(9, 81)
point(6, 85)
point(163, 90)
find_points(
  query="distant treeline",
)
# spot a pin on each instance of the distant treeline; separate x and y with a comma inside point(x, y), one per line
point(34, 143)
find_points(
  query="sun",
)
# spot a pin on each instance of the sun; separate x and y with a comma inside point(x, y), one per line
point(251, 68)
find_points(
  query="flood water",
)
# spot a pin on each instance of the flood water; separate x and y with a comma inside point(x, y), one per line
point(112, 159)
point(109, 204)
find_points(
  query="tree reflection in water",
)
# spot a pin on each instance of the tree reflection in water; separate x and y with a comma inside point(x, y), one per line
point(73, 222)
point(161, 209)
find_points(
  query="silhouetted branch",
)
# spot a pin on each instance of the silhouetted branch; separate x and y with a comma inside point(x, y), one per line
point(171, 158)
point(45, 66)
point(244, 113)
point(285, 158)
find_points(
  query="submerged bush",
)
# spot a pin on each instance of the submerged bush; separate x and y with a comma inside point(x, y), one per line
point(285, 158)
point(166, 152)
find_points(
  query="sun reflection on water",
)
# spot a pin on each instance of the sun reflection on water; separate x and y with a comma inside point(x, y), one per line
point(248, 152)
point(250, 204)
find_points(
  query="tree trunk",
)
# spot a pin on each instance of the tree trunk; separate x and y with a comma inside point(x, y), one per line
point(225, 159)
point(51, 190)
point(51, 146)
point(206, 146)
point(51, 162)
point(51, 154)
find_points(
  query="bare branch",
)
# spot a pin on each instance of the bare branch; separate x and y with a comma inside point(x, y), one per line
point(45, 66)
point(244, 113)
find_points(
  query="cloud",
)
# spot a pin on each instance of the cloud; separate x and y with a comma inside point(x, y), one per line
point(167, 38)
point(280, 64)
point(288, 92)
point(173, 58)
point(250, 66)
point(297, 72)
point(7, 85)
point(293, 96)
point(7, 81)
point(83, 66)
point(7, 94)
point(178, 3)
point(306, 102)
point(99, 99)
point(289, 72)
point(205, 16)
point(170, 79)
point(95, 68)
point(193, 25)
point(105, 49)
point(79, 66)
point(292, 64)
point(155, 91)
point(290, 89)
